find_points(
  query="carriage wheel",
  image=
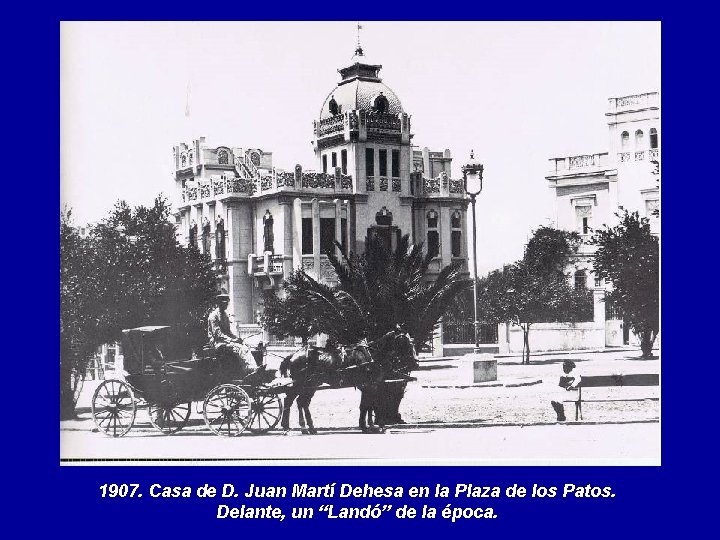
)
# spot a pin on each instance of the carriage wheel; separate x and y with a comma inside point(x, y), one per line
point(169, 418)
point(227, 410)
point(114, 408)
point(266, 412)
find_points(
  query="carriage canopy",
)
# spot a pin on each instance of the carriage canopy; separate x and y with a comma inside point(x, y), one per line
point(144, 347)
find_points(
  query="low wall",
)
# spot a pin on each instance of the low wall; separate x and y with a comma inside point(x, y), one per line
point(553, 337)
point(460, 349)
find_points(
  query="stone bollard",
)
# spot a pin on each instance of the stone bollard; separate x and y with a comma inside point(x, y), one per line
point(484, 367)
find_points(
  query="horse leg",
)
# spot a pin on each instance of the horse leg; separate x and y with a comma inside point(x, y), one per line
point(365, 409)
point(301, 415)
point(285, 422)
point(306, 407)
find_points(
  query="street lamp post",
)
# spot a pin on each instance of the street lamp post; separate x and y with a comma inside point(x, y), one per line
point(473, 184)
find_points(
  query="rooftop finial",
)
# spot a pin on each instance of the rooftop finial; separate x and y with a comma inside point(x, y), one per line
point(358, 49)
point(472, 154)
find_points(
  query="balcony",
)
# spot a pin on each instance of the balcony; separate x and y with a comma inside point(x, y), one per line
point(267, 269)
point(580, 164)
point(634, 102)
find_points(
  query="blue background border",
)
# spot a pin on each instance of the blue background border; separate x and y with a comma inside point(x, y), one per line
point(65, 500)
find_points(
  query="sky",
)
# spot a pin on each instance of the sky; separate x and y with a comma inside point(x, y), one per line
point(517, 94)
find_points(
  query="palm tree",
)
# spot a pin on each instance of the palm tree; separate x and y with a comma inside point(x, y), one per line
point(376, 292)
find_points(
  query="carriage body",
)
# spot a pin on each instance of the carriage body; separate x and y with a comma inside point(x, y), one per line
point(167, 382)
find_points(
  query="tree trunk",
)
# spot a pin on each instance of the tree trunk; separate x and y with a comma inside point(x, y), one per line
point(526, 344)
point(67, 395)
point(647, 338)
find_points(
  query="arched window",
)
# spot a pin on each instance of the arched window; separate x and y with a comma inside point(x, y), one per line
point(580, 280)
point(206, 237)
point(653, 138)
point(624, 140)
point(268, 234)
point(220, 239)
point(638, 138)
point(333, 106)
point(381, 104)
point(433, 235)
point(223, 157)
point(183, 160)
point(192, 241)
point(456, 233)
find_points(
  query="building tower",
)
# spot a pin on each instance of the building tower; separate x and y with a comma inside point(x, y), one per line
point(363, 130)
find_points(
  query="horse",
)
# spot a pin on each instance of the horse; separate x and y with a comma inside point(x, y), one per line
point(311, 367)
point(379, 401)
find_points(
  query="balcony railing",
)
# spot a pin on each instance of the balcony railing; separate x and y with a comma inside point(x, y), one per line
point(637, 101)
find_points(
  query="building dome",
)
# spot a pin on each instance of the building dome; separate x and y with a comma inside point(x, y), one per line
point(360, 89)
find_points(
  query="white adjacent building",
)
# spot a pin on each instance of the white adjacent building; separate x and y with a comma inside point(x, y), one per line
point(590, 189)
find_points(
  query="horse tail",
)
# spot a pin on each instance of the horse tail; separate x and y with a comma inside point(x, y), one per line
point(285, 366)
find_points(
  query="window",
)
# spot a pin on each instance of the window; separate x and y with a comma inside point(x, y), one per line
point(381, 104)
point(268, 233)
point(206, 237)
point(343, 233)
point(652, 209)
point(333, 106)
point(223, 157)
point(624, 140)
point(220, 239)
point(327, 235)
point(382, 156)
point(638, 138)
point(193, 234)
point(334, 161)
point(580, 280)
point(653, 138)
point(456, 234)
point(396, 163)
point(343, 161)
point(370, 162)
point(583, 215)
point(324, 161)
point(433, 236)
point(307, 236)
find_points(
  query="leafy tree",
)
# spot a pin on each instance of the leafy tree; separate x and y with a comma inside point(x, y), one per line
point(128, 271)
point(628, 256)
point(376, 292)
point(535, 289)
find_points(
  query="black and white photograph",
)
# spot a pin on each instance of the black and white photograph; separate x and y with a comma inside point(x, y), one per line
point(360, 242)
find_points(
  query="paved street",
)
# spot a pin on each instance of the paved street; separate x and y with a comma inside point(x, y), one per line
point(581, 444)
point(443, 396)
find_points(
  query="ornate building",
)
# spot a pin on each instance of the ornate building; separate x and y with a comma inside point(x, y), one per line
point(591, 188)
point(259, 222)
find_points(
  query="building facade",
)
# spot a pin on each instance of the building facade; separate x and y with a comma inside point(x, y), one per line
point(590, 189)
point(259, 223)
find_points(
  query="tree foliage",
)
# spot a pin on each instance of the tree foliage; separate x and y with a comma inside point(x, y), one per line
point(628, 256)
point(128, 271)
point(536, 288)
point(376, 292)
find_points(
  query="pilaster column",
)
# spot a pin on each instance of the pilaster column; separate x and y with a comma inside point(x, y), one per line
point(297, 233)
point(316, 237)
point(348, 234)
point(338, 229)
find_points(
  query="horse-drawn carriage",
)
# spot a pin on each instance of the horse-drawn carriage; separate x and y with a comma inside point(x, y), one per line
point(231, 403)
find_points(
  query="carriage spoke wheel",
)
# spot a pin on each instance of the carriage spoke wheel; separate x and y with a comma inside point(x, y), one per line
point(266, 413)
point(114, 408)
point(169, 418)
point(227, 410)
